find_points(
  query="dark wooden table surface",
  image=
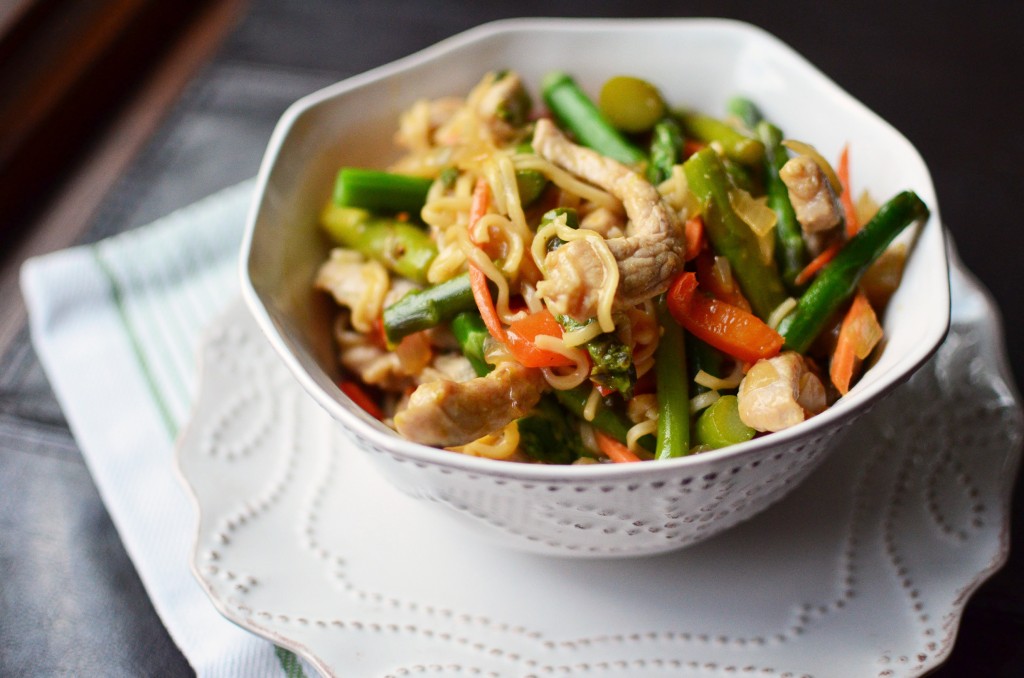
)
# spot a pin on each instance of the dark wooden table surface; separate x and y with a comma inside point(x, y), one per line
point(947, 74)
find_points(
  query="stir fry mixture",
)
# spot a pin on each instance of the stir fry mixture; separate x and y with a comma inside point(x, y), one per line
point(603, 280)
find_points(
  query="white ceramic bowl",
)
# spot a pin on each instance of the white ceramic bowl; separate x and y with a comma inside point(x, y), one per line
point(604, 510)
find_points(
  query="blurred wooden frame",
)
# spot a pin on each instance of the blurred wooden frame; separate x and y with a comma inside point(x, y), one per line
point(65, 67)
point(83, 84)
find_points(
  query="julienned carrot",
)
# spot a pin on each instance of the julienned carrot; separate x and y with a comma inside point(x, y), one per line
point(846, 198)
point(615, 450)
point(477, 279)
point(858, 336)
point(484, 303)
point(731, 330)
point(817, 263)
point(361, 398)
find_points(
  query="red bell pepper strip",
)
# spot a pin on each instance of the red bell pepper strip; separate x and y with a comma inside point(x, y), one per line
point(729, 329)
point(522, 337)
point(361, 398)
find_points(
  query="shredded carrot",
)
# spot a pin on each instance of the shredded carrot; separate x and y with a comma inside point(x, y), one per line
point(477, 280)
point(694, 234)
point(361, 398)
point(520, 337)
point(480, 204)
point(484, 303)
point(846, 197)
point(615, 450)
point(858, 336)
point(818, 263)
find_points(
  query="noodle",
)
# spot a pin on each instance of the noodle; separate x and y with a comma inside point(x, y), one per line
point(568, 182)
point(638, 431)
point(581, 363)
point(500, 445)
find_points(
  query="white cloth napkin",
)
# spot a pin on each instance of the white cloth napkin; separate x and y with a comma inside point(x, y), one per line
point(117, 325)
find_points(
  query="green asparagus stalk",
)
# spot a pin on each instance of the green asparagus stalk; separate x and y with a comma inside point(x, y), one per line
point(380, 191)
point(730, 236)
point(790, 250)
point(402, 247)
point(720, 424)
point(428, 308)
point(837, 281)
point(471, 333)
point(666, 150)
point(607, 419)
point(673, 390)
point(702, 357)
point(746, 110)
point(577, 113)
point(736, 146)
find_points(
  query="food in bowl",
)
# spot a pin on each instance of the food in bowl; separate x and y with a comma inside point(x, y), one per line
point(602, 282)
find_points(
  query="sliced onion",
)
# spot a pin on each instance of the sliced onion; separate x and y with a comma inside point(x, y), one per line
point(801, 148)
point(867, 332)
point(754, 211)
point(865, 207)
point(723, 271)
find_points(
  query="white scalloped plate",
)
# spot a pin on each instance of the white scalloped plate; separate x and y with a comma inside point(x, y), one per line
point(863, 570)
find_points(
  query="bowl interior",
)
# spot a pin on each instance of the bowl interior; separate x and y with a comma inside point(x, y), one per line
point(696, 63)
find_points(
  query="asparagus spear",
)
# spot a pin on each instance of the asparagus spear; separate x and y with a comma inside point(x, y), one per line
point(720, 424)
point(790, 250)
point(736, 146)
point(576, 112)
point(730, 236)
point(700, 356)
point(607, 419)
point(471, 333)
point(428, 308)
point(380, 191)
point(673, 391)
point(838, 280)
point(402, 247)
point(666, 150)
point(746, 110)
